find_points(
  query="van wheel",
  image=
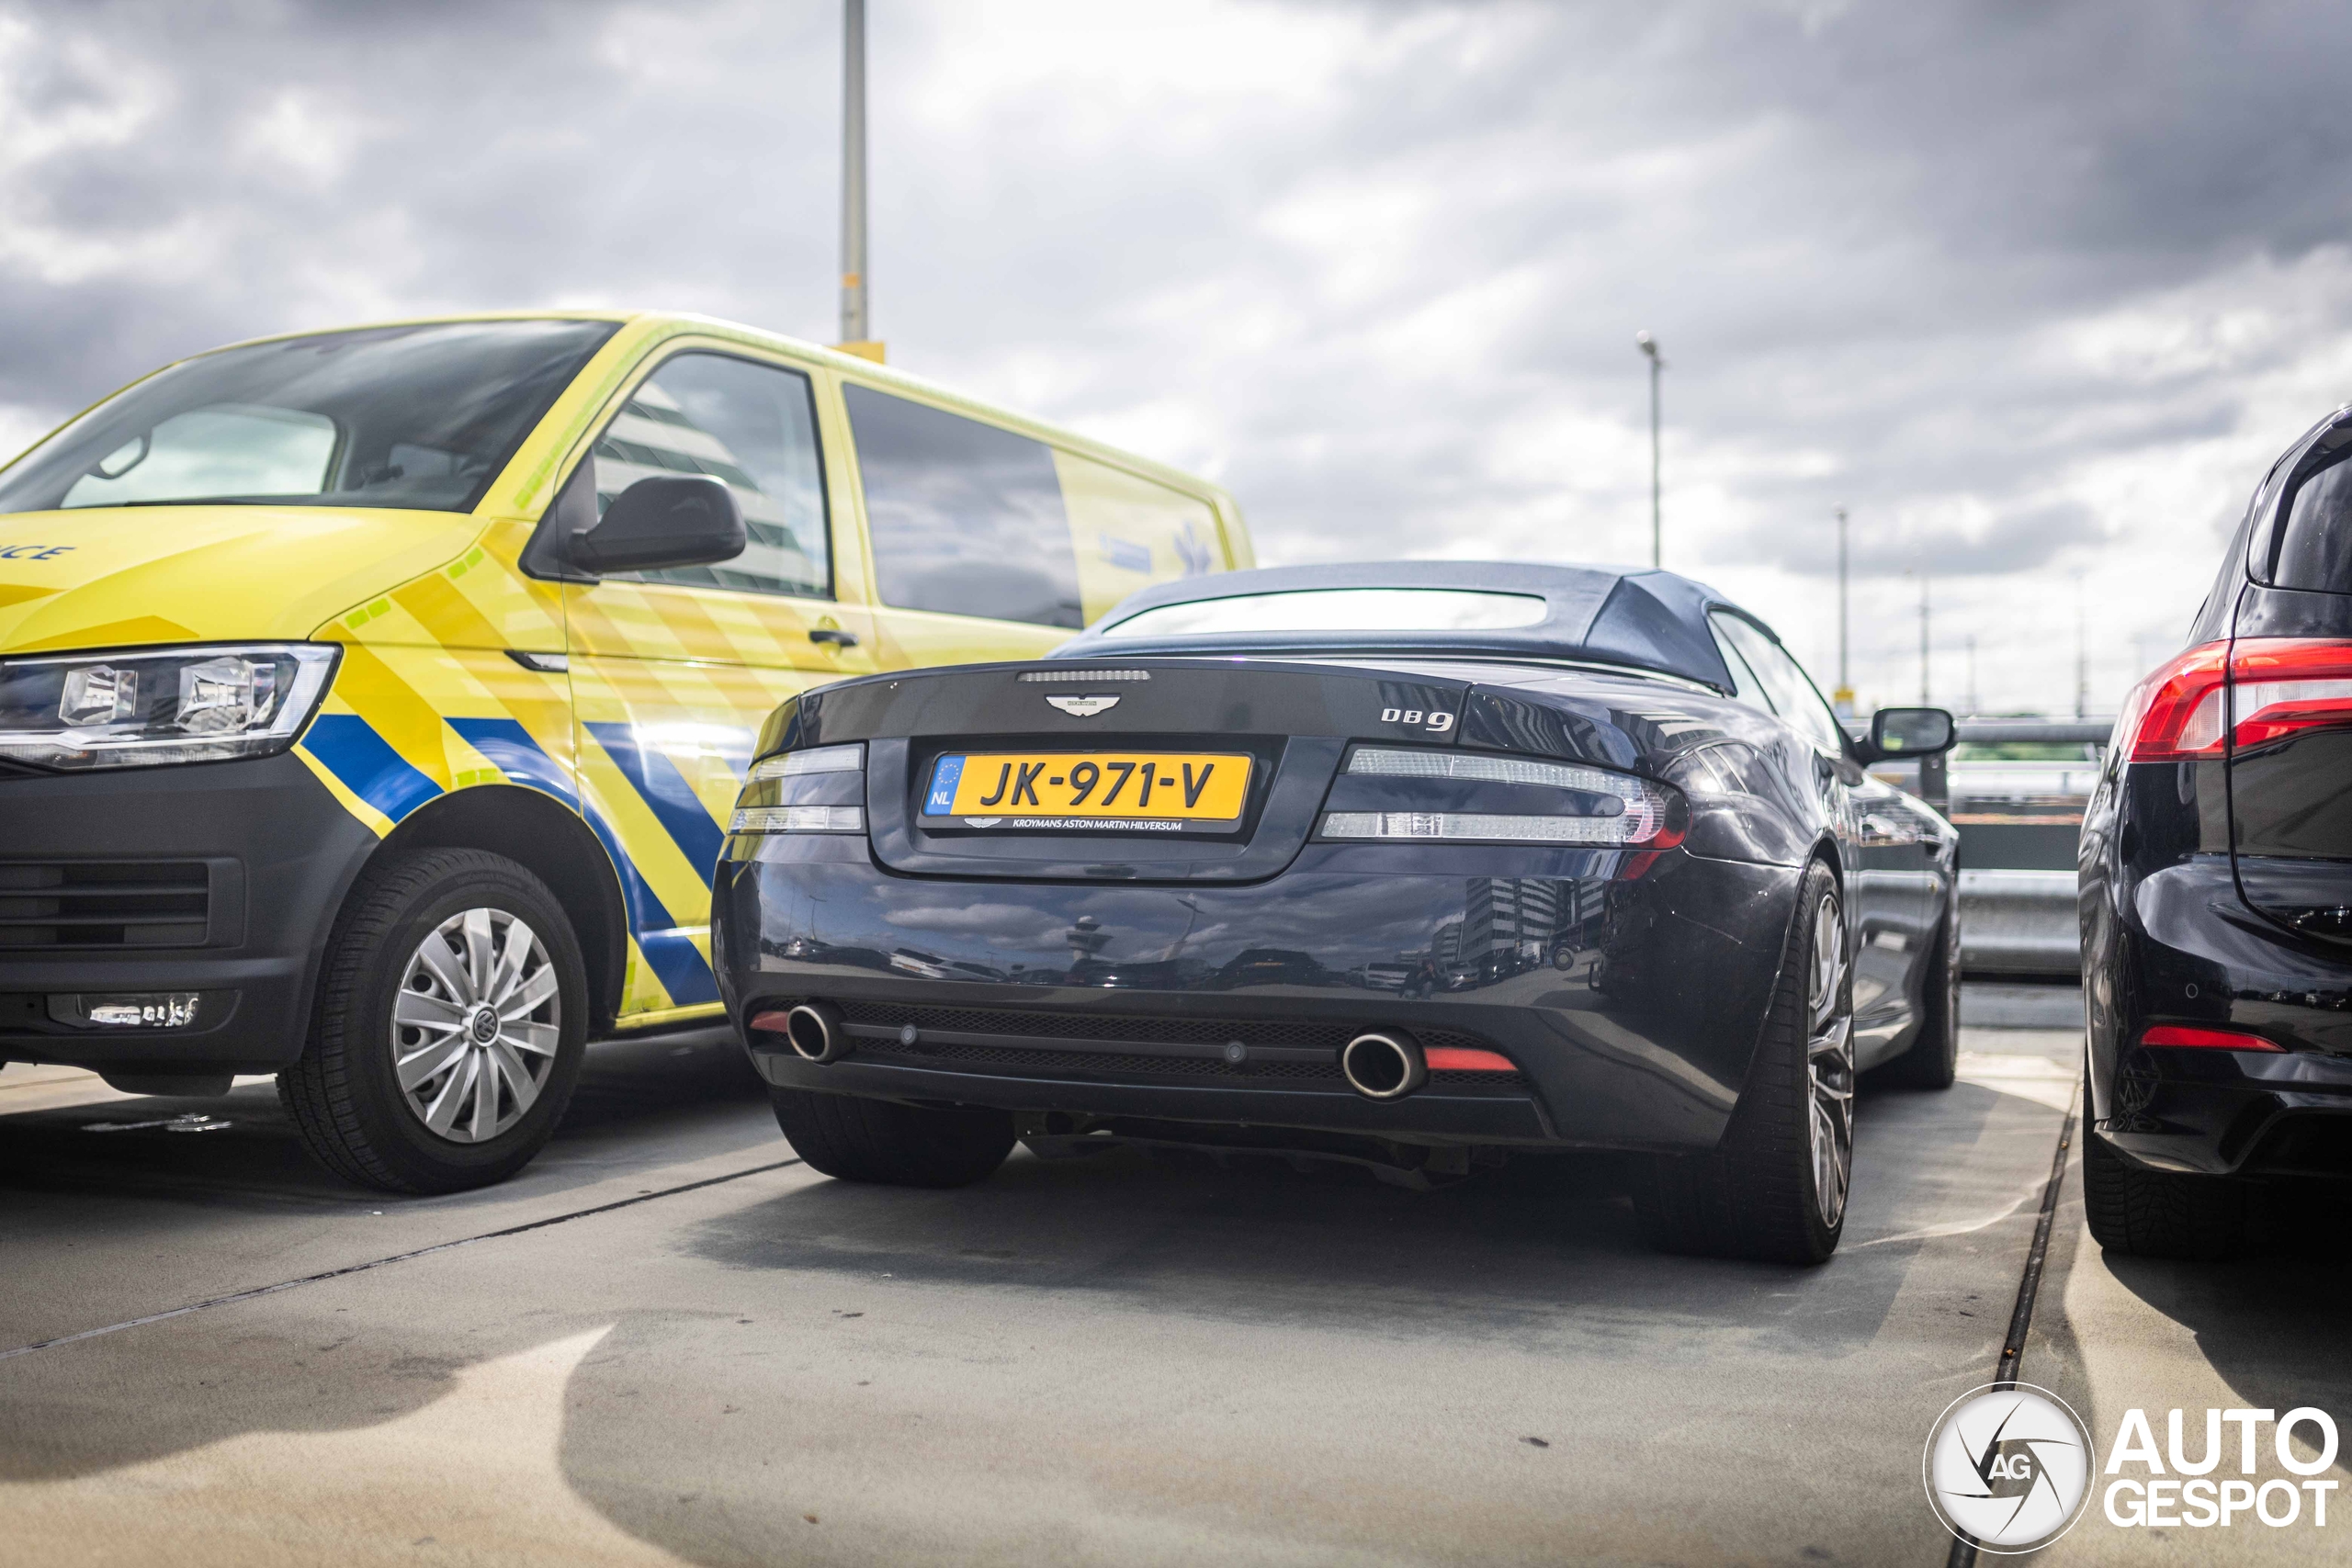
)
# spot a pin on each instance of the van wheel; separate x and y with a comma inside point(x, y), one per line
point(451, 1023)
point(883, 1141)
point(1933, 1060)
point(2164, 1213)
point(1775, 1190)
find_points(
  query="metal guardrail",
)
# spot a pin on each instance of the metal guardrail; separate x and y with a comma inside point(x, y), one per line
point(2019, 922)
point(2060, 731)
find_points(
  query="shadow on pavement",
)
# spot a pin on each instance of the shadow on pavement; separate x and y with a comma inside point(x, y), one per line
point(2271, 1328)
point(631, 1091)
point(1546, 1257)
point(1546, 1243)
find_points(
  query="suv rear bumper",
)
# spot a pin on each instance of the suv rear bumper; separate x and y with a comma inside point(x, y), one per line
point(2187, 950)
point(251, 859)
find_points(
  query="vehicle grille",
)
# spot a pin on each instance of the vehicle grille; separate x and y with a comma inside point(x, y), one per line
point(938, 1028)
point(103, 904)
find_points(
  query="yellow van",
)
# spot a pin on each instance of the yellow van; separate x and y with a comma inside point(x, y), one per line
point(371, 702)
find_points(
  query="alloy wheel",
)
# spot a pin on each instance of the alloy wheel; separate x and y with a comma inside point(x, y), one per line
point(476, 1026)
point(1830, 1062)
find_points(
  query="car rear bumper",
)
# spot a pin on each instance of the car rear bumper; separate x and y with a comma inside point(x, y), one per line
point(2188, 951)
point(1628, 1007)
point(236, 869)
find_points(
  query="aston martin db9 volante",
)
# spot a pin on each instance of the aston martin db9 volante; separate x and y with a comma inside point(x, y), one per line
point(2216, 891)
point(1414, 864)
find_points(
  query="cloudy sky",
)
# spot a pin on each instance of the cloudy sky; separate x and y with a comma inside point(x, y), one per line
point(2035, 290)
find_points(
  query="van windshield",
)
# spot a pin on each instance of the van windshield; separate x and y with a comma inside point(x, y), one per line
point(416, 416)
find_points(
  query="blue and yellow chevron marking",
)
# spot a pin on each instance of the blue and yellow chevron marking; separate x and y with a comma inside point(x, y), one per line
point(672, 957)
point(665, 789)
point(366, 766)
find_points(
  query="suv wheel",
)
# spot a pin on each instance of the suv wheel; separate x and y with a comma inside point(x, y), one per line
point(1776, 1188)
point(450, 1028)
point(2163, 1214)
point(898, 1146)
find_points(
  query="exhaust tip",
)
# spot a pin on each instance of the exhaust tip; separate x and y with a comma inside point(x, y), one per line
point(814, 1031)
point(1383, 1065)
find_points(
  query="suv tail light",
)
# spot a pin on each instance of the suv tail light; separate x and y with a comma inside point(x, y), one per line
point(2275, 687)
point(2282, 686)
point(2175, 712)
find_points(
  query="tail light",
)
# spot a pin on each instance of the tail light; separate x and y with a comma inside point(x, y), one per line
point(2175, 712)
point(1478, 797)
point(816, 791)
point(2275, 687)
point(2286, 686)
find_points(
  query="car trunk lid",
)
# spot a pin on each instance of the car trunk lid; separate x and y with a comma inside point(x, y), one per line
point(1024, 803)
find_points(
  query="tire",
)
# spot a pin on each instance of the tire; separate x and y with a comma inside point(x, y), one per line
point(1933, 1060)
point(894, 1144)
point(1762, 1193)
point(2140, 1213)
point(345, 1095)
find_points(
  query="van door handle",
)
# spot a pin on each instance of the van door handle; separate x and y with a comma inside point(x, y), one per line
point(833, 635)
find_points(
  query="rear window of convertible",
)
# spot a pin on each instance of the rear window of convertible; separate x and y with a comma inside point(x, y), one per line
point(1339, 610)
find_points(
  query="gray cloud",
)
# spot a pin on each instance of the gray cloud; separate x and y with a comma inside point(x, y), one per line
point(2032, 289)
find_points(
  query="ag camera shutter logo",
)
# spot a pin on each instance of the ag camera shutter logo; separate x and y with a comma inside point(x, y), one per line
point(2008, 1468)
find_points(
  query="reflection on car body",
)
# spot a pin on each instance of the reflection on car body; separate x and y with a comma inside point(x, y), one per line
point(1622, 897)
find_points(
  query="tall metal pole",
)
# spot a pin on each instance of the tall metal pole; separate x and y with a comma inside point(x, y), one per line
point(1923, 637)
point(1648, 345)
point(1845, 697)
point(855, 330)
point(2082, 654)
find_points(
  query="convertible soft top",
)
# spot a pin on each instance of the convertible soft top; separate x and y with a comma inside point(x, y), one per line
point(1648, 620)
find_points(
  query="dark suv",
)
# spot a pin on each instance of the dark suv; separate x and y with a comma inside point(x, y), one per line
point(2216, 891)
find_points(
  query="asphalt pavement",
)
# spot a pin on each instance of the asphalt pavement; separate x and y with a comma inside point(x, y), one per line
point(667, 1342)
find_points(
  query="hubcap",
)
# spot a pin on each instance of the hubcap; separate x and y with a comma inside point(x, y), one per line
point(474, 1032)
point(1830, 1062)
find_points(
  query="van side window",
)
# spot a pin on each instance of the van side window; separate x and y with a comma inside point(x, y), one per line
point(2315, 548)
point(965, 519)
point(752, 425)
point(1131, 532)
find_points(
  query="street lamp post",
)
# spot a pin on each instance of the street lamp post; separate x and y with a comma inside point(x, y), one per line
point(2082, 654)
point(1845, 696)
point(1922, 637)
point(1648, 345)
point(856, 326)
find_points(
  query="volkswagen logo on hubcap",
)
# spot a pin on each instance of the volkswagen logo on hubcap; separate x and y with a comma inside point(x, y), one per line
point(485, 1025)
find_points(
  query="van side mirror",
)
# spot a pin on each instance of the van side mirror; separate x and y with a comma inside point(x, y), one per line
point(1910, 732)
point(664, 519)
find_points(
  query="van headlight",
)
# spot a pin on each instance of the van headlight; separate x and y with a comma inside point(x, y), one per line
point(154, 706)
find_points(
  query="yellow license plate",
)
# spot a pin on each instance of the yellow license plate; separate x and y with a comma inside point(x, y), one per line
point(1192, 787)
